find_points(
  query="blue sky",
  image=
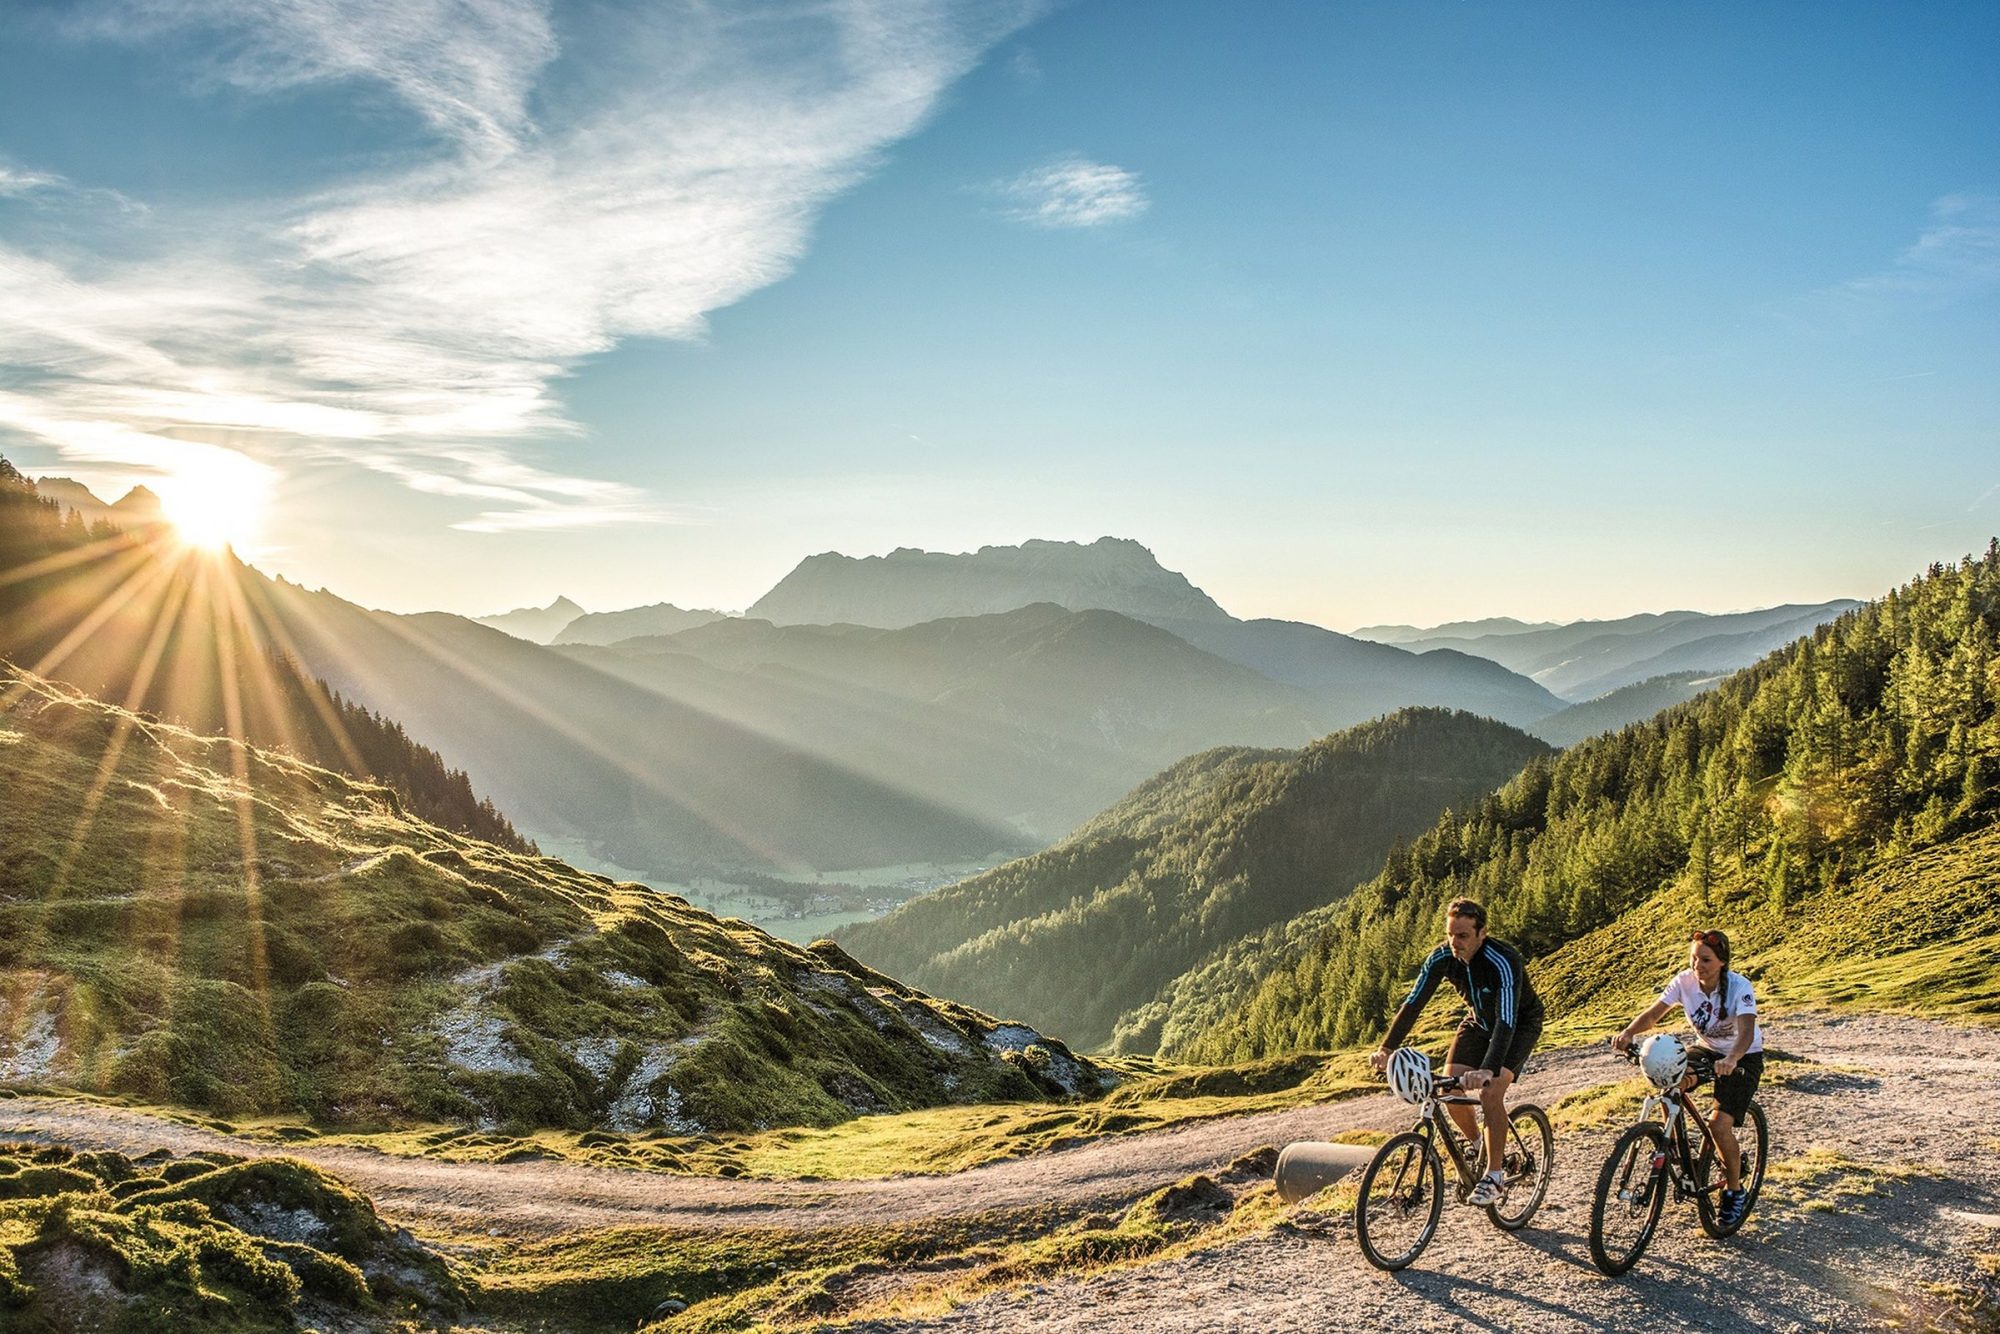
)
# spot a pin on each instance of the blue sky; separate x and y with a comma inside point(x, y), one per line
point(1354, 313)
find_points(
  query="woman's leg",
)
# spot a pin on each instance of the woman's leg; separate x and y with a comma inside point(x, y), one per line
point(1724, 1126)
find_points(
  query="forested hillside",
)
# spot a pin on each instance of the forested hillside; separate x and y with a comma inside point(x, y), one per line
point(1870, 748)
point(1082, 937)
point(134, 619)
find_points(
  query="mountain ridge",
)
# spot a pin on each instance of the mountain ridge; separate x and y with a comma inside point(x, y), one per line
point(909, 586)
point(1212, 849)
point(537, 625)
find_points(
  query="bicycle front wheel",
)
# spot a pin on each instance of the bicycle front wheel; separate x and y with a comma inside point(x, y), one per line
point(1752, 1139)
point(1529, 1159)
point(1402, 1194)
point(1631, 1188)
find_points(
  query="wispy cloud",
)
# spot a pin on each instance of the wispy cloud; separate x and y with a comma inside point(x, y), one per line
point(467, 66)
point(415, 321)
point(1074, 192)
point(15, 182)
point(1956, 256)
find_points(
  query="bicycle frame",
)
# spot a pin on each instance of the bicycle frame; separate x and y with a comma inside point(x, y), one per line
point(1676, 1109)
point(1435, 1125)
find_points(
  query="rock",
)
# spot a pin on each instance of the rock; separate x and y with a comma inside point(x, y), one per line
point(1259, 1162)
point(670, 1307)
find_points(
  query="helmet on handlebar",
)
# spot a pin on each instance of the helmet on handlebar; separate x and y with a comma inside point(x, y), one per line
point(1410, 1074)
point(1664, 1060)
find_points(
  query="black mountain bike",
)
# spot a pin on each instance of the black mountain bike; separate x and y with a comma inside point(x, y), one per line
point(1402, 1188)
point(1655, 1156)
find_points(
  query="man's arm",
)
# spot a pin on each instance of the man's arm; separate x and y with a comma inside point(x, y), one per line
point(1413, 1005)
point(1505, 1015)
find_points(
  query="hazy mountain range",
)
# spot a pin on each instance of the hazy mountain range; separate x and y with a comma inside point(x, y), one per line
point(608, 627)
point(839, 742)
point(1586, 659)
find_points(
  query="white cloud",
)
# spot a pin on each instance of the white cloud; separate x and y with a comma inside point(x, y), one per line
point(1074, 192)
point(1957, 255)
point(467, 66)
point(415, 320)
point(15, 182)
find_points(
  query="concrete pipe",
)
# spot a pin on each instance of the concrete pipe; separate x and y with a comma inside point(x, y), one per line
point(1313, 1165)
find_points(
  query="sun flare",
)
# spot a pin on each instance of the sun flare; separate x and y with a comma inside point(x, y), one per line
point(217, 505)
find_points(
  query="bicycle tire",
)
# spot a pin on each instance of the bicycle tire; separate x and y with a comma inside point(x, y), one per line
point(1538, 1145)
point(1632, 1156)
point(1753, 1136)
point(1421, 1198)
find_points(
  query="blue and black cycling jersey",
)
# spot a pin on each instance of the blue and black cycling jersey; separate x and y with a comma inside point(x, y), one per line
point(1496, 992)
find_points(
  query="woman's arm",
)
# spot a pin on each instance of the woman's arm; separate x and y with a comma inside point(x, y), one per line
point(1746, 1032)
point(1647, 1018)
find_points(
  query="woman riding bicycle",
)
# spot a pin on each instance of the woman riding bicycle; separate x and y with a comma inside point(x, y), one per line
point(1723, 1009)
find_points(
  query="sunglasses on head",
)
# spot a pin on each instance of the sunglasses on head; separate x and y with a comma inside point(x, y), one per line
point(1715, 940)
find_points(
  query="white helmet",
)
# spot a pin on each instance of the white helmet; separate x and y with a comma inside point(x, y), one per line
point(1664, 1060)
point(1410, 1074)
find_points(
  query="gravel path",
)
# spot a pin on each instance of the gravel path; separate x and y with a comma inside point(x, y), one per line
point(1908, 1091)
point(544, 1197)
point(1918, 1093)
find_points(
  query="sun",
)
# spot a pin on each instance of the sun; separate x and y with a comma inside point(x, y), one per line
point(216, 504)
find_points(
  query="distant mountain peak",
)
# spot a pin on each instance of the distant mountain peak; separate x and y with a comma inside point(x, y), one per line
point(139, 503)
point(138, 507)
point(909, 585)
point(537, 624)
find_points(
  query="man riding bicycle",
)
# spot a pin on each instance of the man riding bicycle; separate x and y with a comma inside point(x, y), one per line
point(1722, 1007)
point(1503, 1020)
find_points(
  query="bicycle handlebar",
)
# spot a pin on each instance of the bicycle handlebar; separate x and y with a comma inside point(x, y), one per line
point(1701, 1062)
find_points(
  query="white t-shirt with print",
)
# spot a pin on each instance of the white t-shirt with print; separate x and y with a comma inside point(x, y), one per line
point(1705, 1013)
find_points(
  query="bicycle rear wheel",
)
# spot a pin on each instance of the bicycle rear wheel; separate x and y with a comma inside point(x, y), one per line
point(1631, 1188)
point(1402, 1194)
point(1753, 1139)
point(1529, 1159)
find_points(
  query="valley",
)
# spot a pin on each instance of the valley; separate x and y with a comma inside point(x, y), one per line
point(261, 949)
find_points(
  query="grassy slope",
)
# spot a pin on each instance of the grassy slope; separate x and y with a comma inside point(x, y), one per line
point(236, 930)
point(1215, 849)
point(1913, 935)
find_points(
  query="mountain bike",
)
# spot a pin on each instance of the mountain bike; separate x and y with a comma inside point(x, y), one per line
point(1402, 1188)
point(1654, 1157)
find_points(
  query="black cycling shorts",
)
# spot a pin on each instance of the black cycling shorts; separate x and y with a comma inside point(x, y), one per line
point(1469, 1047)
point(1733, 1092)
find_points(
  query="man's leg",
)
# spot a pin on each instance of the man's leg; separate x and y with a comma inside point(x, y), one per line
point(1493, 1101)
point(1461, 1113)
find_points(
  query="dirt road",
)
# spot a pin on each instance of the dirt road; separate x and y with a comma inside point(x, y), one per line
point(1826, 1253)
point(1881, 1090)
point(545, 1197)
